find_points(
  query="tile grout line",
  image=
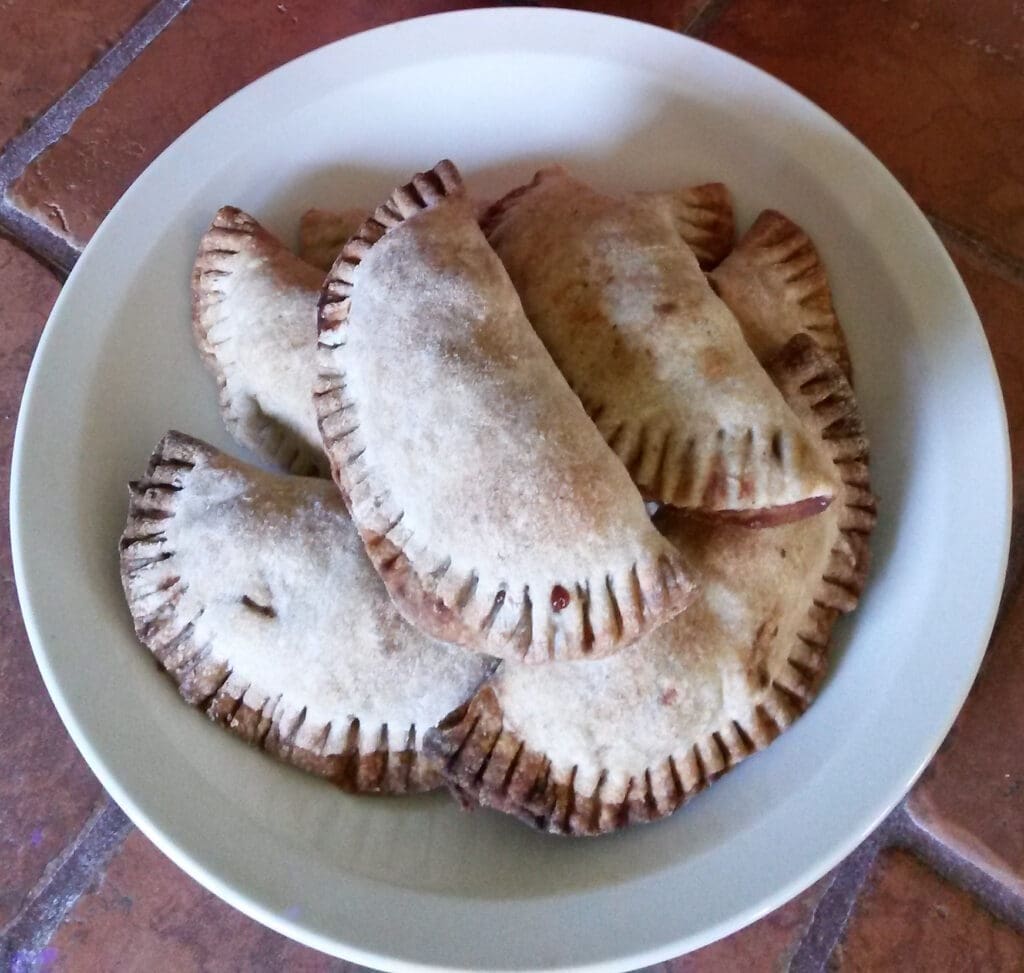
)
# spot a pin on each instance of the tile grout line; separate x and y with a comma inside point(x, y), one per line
point(835, 907)
point(987, 890)
point(898, 831)
point(38, 240)
point(54, 250)
point(66, 878)
point(69, 873)
point(58, 119)
point(15, 240)
point(978, 248)
point(704, 18)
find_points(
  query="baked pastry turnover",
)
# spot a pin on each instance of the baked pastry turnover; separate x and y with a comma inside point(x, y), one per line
point(775, 284)
point(494, 511)
point(503, 395)
point(588, 747)
point(614, 287)
point(254, 319)
point(253, 592)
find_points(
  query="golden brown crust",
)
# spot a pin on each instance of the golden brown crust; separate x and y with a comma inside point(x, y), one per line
point(166, 619)
point(775, 283)
point(381, 771)
point(621, 585)
point(486, 762)
point(704, 217)
point(659, 362)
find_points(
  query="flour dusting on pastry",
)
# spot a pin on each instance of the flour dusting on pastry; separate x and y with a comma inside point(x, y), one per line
point(551, 424)
point(658, 360)
point(590, 747)
point(254, 319)
point(491, 505)
point(252, 590)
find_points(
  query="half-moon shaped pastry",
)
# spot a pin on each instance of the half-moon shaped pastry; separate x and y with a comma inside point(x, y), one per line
point(253, 592)
point(323, 232)
point(702, 216)
point(775, 284)
point(254, 319)
point(487, 500)
point(588, 747)
point(658, 360)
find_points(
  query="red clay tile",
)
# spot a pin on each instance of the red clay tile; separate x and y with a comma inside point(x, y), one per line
point(146, 914)
point(908, 918)
point(998, 298)
point(210, 51)
point(763, 947)
point(46, 790)
point(972, 795)
point(48, 45)
point(672, 14)
point(213, 48)
point(933, 87)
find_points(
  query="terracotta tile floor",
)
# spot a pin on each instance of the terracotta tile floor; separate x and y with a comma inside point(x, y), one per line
point(90, 93)
point(48, 45)
point(908, 918)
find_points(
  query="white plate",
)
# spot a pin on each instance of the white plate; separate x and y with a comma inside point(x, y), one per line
point(416, 883)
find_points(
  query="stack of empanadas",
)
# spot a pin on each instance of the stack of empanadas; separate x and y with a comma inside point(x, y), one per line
point(502, 395)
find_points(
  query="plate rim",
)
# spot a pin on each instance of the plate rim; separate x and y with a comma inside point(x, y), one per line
point(540, 21)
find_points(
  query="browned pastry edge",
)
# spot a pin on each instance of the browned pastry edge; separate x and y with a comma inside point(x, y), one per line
point(425, 190)
point(710, 236)
point(410, 591)
point(232, 235)
point(783, 256)
point(483, 763)
point(154, 592)
point(646, 458)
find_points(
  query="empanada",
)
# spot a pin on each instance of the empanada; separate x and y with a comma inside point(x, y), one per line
point(254, 318)
point(495, 512)
point(775, 284)
point(588, 747)
point(253, 591)
point(660, 363)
